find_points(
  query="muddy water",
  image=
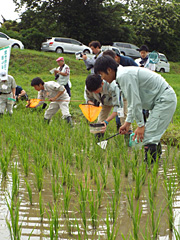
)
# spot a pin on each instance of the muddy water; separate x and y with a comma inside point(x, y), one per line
point(30, 217)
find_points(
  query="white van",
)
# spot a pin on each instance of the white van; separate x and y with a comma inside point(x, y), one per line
point(163, 64)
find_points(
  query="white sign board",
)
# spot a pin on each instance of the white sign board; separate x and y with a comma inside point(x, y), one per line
point(4, 58)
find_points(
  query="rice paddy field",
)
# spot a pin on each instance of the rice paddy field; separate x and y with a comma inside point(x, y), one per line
point(57, 183)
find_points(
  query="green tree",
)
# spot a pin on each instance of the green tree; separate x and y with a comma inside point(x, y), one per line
point(156, 23)
point(84, 20)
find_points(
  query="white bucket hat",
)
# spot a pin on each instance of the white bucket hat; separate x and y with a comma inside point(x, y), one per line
point(3, 75)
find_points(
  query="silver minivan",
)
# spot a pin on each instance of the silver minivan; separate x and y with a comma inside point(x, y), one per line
point(64, 45)
point(127, 49)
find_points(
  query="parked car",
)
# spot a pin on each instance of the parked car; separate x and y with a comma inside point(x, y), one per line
point(108, 47)
point(64, 45)
point(163, 64)
point(5, 40)
point(127, 49)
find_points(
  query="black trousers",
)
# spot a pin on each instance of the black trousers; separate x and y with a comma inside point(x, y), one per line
point(68, 89)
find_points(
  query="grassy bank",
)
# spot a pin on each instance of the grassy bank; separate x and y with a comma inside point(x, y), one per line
point(27, 64)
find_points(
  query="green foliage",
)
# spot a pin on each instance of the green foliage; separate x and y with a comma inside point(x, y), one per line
point(156, 23)
point(33, 38)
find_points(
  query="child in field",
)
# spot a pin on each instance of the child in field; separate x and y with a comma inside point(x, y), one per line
point(108, 95)
point(143, 89)
point(58, 96)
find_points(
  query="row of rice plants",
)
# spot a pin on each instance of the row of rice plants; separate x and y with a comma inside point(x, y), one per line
point(80, 171)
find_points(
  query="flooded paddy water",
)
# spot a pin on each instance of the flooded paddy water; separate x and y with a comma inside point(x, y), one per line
point(64, 186)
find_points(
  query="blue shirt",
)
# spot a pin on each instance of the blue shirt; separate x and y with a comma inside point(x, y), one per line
point(127, 61)
point(18, 90)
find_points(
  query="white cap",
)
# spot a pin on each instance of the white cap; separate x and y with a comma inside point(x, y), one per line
point(3, 75)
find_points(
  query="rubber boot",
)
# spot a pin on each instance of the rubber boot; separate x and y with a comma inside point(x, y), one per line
point(69, 121)
point(47, 120)
point(152, 150)
point(159, 150)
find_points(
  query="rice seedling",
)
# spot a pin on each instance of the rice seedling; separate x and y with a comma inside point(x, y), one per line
point(155, 218)
point(83, 192)
point(15, 181)
point(126, 166)
point(149, 161)
point(134, 214)
point(64, 172)
point(55, 188)
point(99, 190)
point(91, 168)
point(93, 206)
point(24, 156)
point(138, 186)
point(77, 161)
point(170, 190)
point(68, 154)
point(143, 172)
point(41, 207)
point(66, 199)
point(78, 230)
point(54, 222)
point(55, 167)
point(111, 231)
point(29, 191)
point(154, 178)
point(168, 149)
point(136, 156)
point(177, 231)
point(165, 167)
point(69, 179)
point(5, 160)
point(15, 229)
point(174, 157)
point(133, 168)
point(108, 159)
point(39, 176)
point(117, 181)
point(177, 166)
point(114, 208)
point(103, 175)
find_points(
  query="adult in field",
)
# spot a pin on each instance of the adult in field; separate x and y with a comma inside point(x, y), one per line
point(62, 75)
point(105, 93)
point(7, 90)
point(58, 96)
point(143, 61)
point(143, 89)
point(123, 61)
point(96, 49)
point(20, 93)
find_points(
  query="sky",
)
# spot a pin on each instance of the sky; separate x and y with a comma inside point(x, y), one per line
point(7, 8)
